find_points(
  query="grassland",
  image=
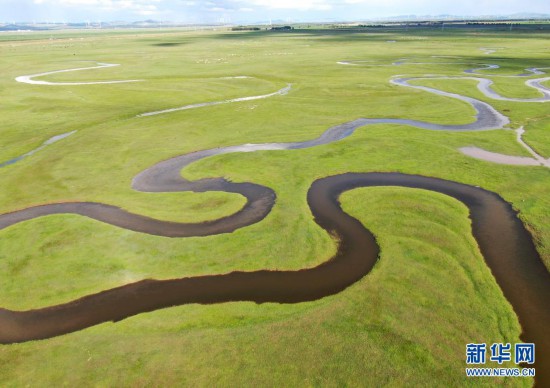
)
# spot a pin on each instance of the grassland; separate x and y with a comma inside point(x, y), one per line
point(406, 323)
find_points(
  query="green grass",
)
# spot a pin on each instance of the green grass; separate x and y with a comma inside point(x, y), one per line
point(406, 323)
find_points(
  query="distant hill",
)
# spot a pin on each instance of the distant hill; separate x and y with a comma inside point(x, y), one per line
point(149, 23)
point(516, 16)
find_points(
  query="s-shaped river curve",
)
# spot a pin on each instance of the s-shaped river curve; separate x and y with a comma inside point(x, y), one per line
point(504, 242)
point(28, 79)
point(165, 177)
point(484, 86)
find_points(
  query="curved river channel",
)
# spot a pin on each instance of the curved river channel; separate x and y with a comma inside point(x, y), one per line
point(503, 240)
point(506, 245)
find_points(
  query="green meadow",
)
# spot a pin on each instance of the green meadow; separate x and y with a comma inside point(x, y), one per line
point(405, 323)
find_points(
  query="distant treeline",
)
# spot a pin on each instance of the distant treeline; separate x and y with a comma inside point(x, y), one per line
point(241, 28)
point(274, 28)
point(282, 28)
point(438, 24)
point(492, 24)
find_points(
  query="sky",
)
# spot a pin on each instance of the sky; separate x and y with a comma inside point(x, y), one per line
point(249, 11)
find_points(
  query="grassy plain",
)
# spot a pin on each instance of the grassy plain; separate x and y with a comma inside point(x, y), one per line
point(406, 323)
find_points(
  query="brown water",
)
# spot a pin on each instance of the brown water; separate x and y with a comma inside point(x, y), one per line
point(504, 242)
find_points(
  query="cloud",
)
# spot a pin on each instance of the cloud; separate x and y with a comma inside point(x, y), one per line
point(218, 9)
point(352, 8)
point(256, 10)
point(142, 7)
point(304, 5)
